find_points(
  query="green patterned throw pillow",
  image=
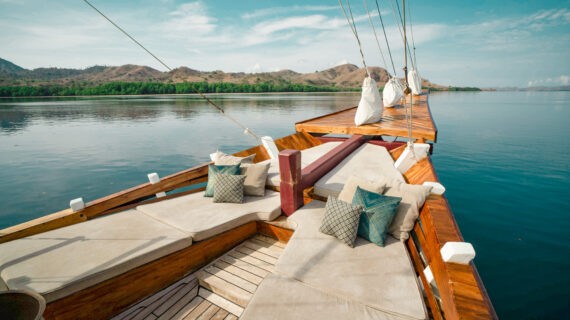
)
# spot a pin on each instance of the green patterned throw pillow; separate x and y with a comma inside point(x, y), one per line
point(379, 211)
point(212, 170)
point(229, 188)
point(341, 220)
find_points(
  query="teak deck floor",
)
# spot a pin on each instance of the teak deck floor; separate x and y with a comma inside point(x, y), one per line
point(393, 122)
point(240, 270)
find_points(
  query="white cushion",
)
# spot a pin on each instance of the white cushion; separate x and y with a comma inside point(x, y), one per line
point(202, 218)
point(308, 156)
point(283, 298)
point(369, 161)
point(61, 262)
point(381, 278)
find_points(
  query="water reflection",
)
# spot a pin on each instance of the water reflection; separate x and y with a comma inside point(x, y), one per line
point(17, 114)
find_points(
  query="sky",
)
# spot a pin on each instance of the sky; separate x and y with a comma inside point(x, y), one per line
point(461, 43)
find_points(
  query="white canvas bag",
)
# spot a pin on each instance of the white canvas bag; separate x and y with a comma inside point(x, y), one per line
point(392, 93)
point(370, 106)
point(415, 81)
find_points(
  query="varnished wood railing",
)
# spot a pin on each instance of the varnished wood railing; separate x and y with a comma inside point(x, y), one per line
point(144, 193)
point(459, 292)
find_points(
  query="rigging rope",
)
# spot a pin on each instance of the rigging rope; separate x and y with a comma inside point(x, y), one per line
point(412, 33)
point(376, 36)
point(353, 28)
point(408, 91)
point(245, 129)
point(404, 40)
point(385, 37)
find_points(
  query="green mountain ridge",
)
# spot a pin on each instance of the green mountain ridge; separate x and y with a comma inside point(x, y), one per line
point(7, 67)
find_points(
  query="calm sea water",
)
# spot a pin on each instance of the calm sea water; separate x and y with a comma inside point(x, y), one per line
point(503, 157)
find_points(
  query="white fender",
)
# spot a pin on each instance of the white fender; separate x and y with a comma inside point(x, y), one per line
point(154, 178)
point(76, 204)
point(458, 252)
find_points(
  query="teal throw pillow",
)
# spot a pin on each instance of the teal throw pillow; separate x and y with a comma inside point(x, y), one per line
point(212, 170)
point(379, 211)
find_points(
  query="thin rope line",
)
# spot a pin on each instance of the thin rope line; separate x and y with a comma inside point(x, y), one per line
point(385, 37)
point(246, 130)
point(398, 21)
point(405, 30)
point(375, 35)
point(353, 28)
point(410, 134)
point(412, 33)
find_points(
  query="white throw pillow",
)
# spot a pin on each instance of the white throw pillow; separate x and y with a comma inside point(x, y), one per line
point(353, 182)
point(255, 176)
point(222, 159)
point(413, 198)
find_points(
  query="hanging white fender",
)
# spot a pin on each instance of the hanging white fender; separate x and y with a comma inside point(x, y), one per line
point(392, 93)
point(370, 106)
point(415, 81)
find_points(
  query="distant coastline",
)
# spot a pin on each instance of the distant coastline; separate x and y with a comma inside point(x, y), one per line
point(16, 81)
point(157, 88)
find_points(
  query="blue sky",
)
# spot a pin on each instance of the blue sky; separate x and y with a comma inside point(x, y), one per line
point(465, 43)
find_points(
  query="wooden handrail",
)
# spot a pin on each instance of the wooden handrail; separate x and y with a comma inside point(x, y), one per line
point(105, 205)
point(141, 194)
point(462, 293)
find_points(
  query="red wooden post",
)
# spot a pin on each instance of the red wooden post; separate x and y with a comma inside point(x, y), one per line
point(290, 188)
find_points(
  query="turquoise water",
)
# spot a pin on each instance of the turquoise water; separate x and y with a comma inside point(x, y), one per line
point(503, 157)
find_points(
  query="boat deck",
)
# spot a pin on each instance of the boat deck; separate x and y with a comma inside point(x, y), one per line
point(221, 290)
point(393, 122)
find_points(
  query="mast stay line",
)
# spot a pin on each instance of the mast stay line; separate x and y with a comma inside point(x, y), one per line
point(222, 111)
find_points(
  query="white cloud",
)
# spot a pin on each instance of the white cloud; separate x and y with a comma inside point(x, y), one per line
point(189, 20)
point(556, 81)
point(308, 22)
point(255, 69)
point(282, 10)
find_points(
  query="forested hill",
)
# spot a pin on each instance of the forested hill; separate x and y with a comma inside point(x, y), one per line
point(133, 79)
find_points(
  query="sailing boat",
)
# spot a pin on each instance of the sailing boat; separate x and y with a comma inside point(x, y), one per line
point(164, 250)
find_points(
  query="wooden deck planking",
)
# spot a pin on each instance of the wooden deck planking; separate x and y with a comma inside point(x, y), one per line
point(240, 271)
point(257, 254)
point(223, 303)
point(266, 239)
point(275, 253)
point(231, 278)
point(236, 262)
point(393, 122)
point(252, 261)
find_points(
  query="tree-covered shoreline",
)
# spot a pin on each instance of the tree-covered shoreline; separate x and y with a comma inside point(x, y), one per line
point(142, 88)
